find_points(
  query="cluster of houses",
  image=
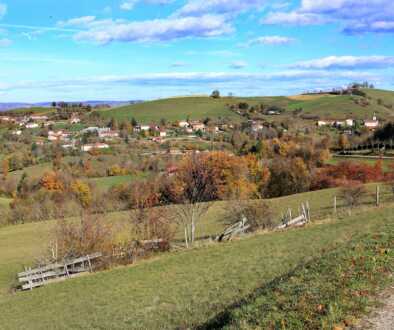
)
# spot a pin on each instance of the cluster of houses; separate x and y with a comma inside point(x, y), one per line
point(349, 123)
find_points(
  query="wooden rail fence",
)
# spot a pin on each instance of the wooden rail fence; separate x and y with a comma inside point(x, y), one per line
point(33, 278)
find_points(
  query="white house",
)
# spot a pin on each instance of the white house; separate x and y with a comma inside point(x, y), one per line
point(38, 118)
point(32, 125)
point(163, 133)
point(58, 136)
point(183, 124)
point(74, 119)
point(197, 126)
point(89, 147)
point(141, 128)
point(108, 134)
point(322, 123)
point(349, 122)
point(17, 132)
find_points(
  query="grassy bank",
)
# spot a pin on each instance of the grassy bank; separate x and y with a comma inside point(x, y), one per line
point(181, 289)
point(335, 289)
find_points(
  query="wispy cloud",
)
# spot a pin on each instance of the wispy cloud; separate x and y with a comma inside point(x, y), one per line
point(357, 16)
point(269, 40)
point(219, 7)
point(347, 62)
point(3, 10)
point(238, 65)
point(107, 31)
point(5, 42)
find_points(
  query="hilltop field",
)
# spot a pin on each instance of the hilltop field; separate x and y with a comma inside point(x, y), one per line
point(325, 106)
point(191, 289)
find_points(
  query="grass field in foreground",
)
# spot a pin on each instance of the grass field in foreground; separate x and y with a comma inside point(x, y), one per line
point(335, 289)
point(21, 244)
point(184, 289)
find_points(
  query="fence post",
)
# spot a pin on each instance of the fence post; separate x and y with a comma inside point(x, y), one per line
point(377, 195)
point(335, 205)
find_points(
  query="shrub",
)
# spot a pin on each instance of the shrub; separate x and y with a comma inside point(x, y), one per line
point(258, 214)
point(353, 194)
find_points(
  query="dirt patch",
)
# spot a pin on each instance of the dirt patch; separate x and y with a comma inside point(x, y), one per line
point(381, 318)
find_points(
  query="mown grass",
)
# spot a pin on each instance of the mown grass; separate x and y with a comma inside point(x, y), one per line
point(187, 107)
point(32, 110)
point(184, 289)
point(21, 244)
point(326, 106)
point(334, 289)
point(387, 163)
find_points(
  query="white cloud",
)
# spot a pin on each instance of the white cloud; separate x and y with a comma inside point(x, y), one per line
point(270, 40)
point(203, 7)
point(357, 16)
point(293, 18)
point(178, 64)
point(347, 62)
point(5, 42)
point(3, 10)
point(191, 78)
point(106, 31)
point(238, 65)
point(128, 5)
point(79, 21)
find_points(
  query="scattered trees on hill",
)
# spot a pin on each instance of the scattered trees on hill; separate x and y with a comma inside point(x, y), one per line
point(215, 94)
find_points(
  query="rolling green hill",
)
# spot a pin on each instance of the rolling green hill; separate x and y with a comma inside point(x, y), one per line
point(182, 108)
point(324, 106)
point(32, 110)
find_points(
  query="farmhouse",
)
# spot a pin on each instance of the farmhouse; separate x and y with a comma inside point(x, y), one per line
point(6, 119)
point(141, 128)
point(372, 124)
point(322, 123)
point(89, 147)
point(32, 125)
point(108, 134)
point(74, 119)
point(58, 136)
point(197, 126)
point(38, 118)
point(183, 124)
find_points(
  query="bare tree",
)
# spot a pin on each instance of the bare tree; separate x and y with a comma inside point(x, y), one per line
point(192, 190)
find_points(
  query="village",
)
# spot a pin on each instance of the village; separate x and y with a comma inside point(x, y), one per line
point(75, 133)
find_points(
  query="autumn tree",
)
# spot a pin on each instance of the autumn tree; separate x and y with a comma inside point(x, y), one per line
point(343, 142)
point(5, 167)
point(52, 182)
point(82, 192)
point(191, 190)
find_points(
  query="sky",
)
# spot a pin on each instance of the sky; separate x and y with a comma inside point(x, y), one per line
point(145, 49)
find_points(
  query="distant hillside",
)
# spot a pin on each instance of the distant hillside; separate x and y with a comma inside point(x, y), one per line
point(93, 103)
point(181, 108)
point(322, 106)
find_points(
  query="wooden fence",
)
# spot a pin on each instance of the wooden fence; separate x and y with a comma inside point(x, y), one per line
point(56, 272)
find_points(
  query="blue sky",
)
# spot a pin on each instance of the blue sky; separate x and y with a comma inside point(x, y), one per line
point(143, 49)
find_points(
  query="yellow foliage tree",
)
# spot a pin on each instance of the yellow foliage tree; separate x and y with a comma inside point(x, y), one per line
point(83, 193)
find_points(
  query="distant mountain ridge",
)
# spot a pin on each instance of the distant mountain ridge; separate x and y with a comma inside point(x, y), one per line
point(5, 106)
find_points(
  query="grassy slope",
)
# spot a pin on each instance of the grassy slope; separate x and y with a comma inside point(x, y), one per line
point(180, 108)
point(335, 289)
point(33, 110)
point(336, 107)
point(20, 244)
point(181, 289)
